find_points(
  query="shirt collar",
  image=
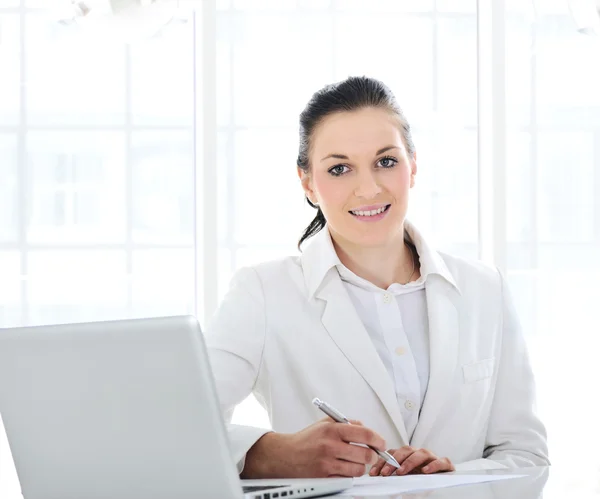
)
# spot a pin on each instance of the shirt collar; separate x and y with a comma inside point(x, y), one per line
point(320, 257)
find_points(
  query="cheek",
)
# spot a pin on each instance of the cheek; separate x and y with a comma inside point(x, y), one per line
point(395, 183)
point(399, 180)
point(330, 189)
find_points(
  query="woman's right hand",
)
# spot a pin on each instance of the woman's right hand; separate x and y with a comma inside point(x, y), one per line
point(320, 450)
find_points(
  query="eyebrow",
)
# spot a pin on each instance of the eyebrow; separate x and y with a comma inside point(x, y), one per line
point(341, 156)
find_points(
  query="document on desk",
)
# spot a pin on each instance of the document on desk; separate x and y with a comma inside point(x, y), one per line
point(386, 485)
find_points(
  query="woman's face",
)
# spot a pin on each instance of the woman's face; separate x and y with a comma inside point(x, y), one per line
point(360, 175)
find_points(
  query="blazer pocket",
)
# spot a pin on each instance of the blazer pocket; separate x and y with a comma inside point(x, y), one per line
point(479, 370)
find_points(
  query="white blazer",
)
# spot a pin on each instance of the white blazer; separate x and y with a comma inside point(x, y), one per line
point(287, 331)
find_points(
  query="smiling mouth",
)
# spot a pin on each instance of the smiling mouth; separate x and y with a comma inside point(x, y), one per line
point(371, 213)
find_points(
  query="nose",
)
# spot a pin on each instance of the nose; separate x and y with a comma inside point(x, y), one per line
point(367, 186)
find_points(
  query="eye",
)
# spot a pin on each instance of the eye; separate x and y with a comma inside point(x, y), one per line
point(387, 162)
point(337, 170)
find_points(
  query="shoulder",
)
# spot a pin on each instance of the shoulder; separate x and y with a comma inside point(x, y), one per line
point(271, 274)
point(473, 276)
point(483, 290)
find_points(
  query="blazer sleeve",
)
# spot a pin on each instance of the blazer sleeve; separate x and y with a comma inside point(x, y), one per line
point(515, 436)
point(235, 340)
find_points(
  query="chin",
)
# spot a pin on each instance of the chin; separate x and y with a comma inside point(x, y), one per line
point(380, 236)
point(370, 238)
point(368, 235)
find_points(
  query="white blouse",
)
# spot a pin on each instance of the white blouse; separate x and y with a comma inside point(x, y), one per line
point(396, 320)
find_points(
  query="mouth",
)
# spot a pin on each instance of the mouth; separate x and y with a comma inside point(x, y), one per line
point(374, 214)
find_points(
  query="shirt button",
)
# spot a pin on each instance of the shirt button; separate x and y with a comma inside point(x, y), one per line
point(409, 404)
point(400, 351)
point(387, 298)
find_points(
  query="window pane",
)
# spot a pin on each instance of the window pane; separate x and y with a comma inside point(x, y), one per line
point(553, 218)
point(36, 4)
point(566, 190)
point(551, 7)
point(10, 289)
point(519, 51)
point(568, 76)
point(520, 7)
point(77, 187)
point(521, 184)
point(535, 9)
point(76, 286)
point(521, 205)
point(163, 282)
point(272, 82)
point(385, 6)
point(261, 5)
point(225, 180)
point(8, 188)
point(252, 256)
point(459, 6)
point(9, 69)
point(163, 187)
point(380, 52)
point(225, 271)
point(223, 69)
point(270, 208)
point(71, 79)
point(162, 82)
point(444, 201)
point(568, 311)
point(457, 84)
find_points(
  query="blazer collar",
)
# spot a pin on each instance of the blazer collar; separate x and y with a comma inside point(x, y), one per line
point(320, 257)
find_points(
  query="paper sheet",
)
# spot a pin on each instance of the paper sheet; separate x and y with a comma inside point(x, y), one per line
point(386, 485)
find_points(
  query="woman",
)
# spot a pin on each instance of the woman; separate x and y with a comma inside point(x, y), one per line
point(423, 348)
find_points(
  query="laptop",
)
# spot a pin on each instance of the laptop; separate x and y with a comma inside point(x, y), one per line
point(123, 410)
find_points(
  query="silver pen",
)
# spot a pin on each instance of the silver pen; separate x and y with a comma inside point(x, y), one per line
point(340, 418)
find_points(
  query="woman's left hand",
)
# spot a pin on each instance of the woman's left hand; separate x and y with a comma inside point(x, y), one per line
point(412, 460)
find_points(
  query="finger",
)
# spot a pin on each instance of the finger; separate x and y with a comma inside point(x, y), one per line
point(400, 455)
point(416, 460)
point(403, 453)
point(360, 435)
point(439, 465)
point(346, 468)
point(326, 419)
point(388, 469)
point(355, 453)
point(376, 468)
point(356, 422)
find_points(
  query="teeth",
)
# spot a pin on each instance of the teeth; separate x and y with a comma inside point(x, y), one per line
point(369, 213)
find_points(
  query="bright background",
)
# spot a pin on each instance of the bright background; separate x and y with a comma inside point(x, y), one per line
point(103, 216)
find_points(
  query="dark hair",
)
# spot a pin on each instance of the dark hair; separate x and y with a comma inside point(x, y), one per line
point(352, 94)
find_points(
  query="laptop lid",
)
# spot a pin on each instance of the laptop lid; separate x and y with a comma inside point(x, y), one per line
point(74, 435)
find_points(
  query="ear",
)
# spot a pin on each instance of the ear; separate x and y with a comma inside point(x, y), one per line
point(306, 181)
point(413, 169)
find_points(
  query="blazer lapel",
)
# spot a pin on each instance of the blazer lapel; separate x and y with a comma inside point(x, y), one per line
point(348, 332)
point(443, 353)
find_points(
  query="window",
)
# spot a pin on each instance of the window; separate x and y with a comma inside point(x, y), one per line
point(97, 173)
point(96, 176)
point(553, 204)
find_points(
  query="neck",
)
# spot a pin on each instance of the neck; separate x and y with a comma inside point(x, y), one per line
point(381, 265)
